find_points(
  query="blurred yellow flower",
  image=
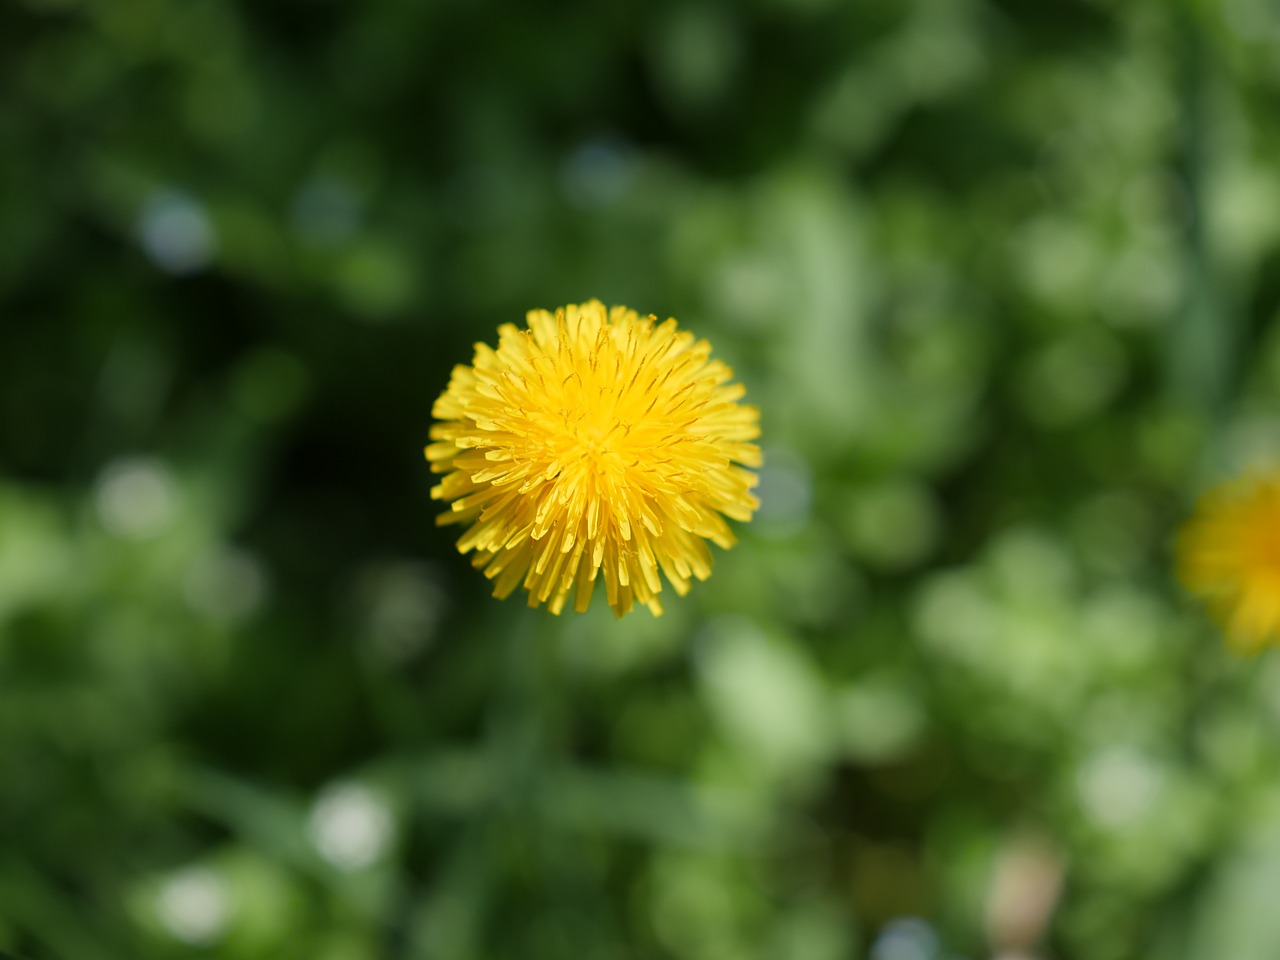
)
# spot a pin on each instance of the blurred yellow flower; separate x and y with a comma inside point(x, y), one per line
point(1229, 555)
point(594, 444)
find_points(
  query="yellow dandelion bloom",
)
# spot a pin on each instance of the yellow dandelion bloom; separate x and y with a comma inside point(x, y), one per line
point(1229, 555)
point(595, 444)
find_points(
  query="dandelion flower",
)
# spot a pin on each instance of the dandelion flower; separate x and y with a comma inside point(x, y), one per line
point(595, 444)
point(1229, 555)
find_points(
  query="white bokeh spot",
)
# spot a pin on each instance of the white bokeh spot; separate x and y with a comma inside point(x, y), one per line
point(136, 497)
point(176, 233)
point(193, 906)
point(1118, 786)
point(350, 826)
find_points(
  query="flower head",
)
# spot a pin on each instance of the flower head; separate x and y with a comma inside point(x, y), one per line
point(595, 444)
point(1229, 555)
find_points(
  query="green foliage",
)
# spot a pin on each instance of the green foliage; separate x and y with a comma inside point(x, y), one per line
point(1000, 275)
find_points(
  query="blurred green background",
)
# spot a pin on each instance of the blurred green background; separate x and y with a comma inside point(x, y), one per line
point(1001, 275)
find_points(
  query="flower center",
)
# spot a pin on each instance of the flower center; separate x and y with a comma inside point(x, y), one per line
point(1264, 547)
point(597, 436)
